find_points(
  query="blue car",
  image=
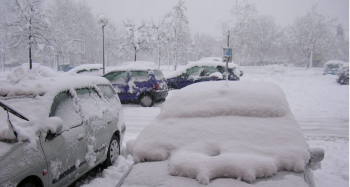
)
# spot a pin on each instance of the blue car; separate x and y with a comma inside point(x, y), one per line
point(144, 86)
point(201, 71)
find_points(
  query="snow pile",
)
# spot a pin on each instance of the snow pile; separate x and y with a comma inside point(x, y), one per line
point(93, 69)
point(248, 99)
point(113, 174)
point(241, 130)
point(138, 65)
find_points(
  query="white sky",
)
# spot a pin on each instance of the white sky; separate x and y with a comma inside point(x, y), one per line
point(204, 15)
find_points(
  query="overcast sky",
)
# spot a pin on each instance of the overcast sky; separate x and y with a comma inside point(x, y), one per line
point(204, 15)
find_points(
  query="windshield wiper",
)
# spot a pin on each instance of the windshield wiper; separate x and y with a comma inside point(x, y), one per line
point(8, 110)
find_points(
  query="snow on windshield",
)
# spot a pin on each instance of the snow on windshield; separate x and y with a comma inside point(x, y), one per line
point(241, 130)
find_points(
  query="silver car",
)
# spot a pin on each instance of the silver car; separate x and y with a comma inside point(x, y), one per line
point(54, 129)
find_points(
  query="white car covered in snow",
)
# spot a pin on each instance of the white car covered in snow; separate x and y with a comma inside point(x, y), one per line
point(87, 69)
point(223, 134)
point(56, 127)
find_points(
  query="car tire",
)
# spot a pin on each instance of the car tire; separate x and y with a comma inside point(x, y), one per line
point(346, 82)
point(31, 182)
point(113, 151)
point(146, 101)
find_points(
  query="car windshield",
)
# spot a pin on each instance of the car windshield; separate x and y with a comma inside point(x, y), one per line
point(158, 74)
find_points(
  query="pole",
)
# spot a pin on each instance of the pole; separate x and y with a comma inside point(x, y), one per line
point(228, 45)
point(103, 47)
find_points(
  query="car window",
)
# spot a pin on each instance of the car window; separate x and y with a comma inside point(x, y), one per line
point(195, 71)
point(64, 107)
point(89, 101)
point(109, 93)
point(209, 70)
point(117, 77)
point(138, 76)
point(158, 74)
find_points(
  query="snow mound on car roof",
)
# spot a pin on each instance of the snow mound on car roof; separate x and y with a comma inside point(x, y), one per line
point(242, 130)
point(135, 65)
point(249, 99)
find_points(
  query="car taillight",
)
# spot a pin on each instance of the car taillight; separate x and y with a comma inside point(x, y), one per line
point(155, 86)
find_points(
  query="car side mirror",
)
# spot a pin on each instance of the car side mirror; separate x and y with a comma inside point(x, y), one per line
point(316, 156)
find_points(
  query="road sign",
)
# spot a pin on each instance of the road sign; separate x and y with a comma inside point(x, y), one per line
point(227, 52)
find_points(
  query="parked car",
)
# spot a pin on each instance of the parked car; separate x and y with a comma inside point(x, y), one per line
point(139, 82)
point(56, 127)
point(200, 71)
point(343, 75)
point(240, 133)
point(332, 67)
point(87, 69)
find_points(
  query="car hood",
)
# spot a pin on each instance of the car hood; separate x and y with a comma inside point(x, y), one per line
point(149, 174)
point(7, 148)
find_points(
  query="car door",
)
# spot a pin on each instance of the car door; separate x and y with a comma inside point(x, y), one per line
point(98, 122)
point(65, 151)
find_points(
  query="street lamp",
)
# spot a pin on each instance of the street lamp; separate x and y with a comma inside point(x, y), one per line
point(102, 20)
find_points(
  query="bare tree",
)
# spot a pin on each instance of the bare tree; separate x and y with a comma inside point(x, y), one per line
point(28, 24)
point(310, 33)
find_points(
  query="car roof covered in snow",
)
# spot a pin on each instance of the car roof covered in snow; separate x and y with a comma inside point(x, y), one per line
point(200, 63)
point(134, 65)
point(225, 129)
point(41, 84)
point(85, 67)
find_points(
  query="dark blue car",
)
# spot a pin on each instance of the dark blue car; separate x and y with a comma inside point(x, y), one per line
point(139, 86)
point(202, 71)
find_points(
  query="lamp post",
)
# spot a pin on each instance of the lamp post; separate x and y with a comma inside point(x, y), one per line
point(103, 21)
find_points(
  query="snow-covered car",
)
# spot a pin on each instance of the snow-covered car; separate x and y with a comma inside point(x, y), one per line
point(139, 82)
point(333, 66)
point(343, 75)
point(87, 69)
point(200, 71)
point(223, 134)
point(56, 127)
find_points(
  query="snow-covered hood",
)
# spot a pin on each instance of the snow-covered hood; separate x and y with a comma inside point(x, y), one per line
point(213, 130)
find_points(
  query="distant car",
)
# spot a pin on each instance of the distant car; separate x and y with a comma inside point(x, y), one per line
point(87, 69)
point(56, 127)
point(343, 75)
point(139, 82)
point(202, 70)
point(239, 133)
point(332, 67)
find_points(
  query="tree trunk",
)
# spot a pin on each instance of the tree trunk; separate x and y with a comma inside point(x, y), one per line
point(30, 56)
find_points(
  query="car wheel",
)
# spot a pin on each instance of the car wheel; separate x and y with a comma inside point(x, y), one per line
point(31, 182)
point(113, 151)
point(346, 81)
point(146, 101)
